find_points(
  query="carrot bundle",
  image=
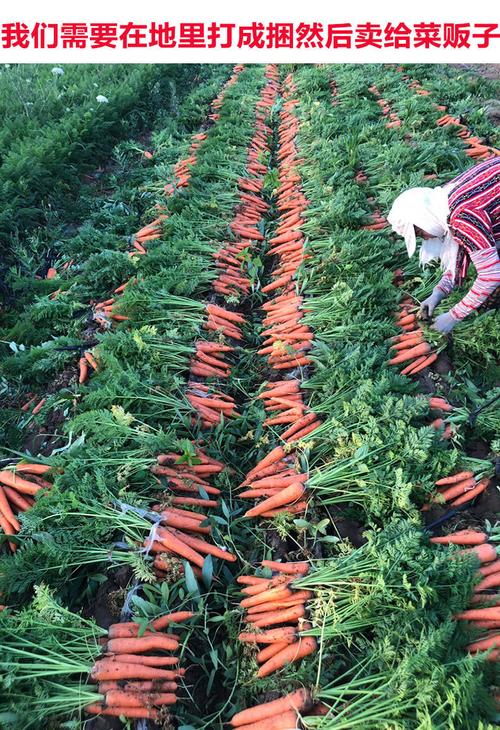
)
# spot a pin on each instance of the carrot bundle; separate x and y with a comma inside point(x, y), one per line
point(275, 607)
point(17, 494)
point(458, 489)
point(412, 351)
point(131, 674)
point(210, 405)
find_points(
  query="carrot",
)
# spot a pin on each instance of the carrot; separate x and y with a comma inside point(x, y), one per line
point(132, 712)
point(250, 580)
point(484, 553)
point(205, 548)
point(83, 370)
point(33, 468)
point(138, 687)
point(109, 670)
point(225, 314)
point(281, 616)
point(481, 486)
point(172, 518)
point(286, 634)
point(90, 359)
point(7, 512)
point(411, 354)
point(292, 509)
point(136, 645)
point(288, 495)
point(38, 407)
point(278, 592)
point(275, 455)
point(173, 544)
point(120, 698)
point(492, 641)
point(462, 537)
point(299, 435)
point(282, 721)
point(493, 567)
point(288, 568)
point(16, 499)
point(458, 489)
point(491, 614)
point(406, 344)
point(292, 653)
point(298, 425)
point(269, 651)
point(459, 477)
point(423, 364)
point(21, 485)
point(491, 581)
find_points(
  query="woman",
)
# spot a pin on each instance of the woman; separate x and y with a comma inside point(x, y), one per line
point(459, 223)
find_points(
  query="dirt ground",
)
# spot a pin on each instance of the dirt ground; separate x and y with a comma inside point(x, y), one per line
point(486, 70)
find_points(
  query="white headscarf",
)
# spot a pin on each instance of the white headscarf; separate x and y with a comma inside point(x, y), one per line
point(428, 209)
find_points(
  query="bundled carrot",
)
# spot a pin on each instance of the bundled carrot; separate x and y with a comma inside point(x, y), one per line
point(273, 602)
point(131, 674)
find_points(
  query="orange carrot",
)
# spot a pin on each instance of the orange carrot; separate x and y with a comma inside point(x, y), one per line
point(288, 568)
point(141, 645)
point(299, 701)
point(7, 512)
point(411, 354)
point(113, 670)
point(269, 651)
point(468, 496)
point(33, 468)
point(491, 614)
point(281, 616)
point(288, 495)
point(204, 547)
point(21, 485)
point(286, 634)
point(173, 544)
point(423, 364)
point(459, 477)
point(461, 537)
point(292, 653)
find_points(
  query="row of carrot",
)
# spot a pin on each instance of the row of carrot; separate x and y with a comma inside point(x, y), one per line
point(212, 405)
point(394, 120)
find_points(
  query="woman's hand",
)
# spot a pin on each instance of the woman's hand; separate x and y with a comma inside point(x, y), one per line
point(427, 306)
point(445, 323)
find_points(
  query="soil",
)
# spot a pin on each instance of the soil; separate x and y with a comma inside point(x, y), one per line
point(486, 70)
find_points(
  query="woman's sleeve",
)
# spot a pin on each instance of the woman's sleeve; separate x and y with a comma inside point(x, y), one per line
point(445, 285)
point(472, 229)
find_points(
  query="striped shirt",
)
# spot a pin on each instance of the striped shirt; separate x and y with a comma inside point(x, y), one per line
point(474, 220)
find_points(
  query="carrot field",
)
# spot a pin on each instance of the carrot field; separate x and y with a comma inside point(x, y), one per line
point(242, 484)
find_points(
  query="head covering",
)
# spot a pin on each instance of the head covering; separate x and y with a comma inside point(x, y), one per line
point(428, 209)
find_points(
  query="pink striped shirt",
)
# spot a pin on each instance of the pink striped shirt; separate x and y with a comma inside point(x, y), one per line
point(474, 220)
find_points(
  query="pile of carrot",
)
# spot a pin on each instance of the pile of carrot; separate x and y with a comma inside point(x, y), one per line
point(175, 537)
point(476, 149)
point(151, 232)
point(483, 613)
point(104, 311)
point(209, 360)
point(17, 494)
point(222, 320)
point(37, 408)
point(410, 346)
point(276, 613)
point(394, 120)
point(182, 169)
point(418, 88)
point(285, 398)
point(87, 361)
point(275, 478)
point(210, 405)
point(458, 489)
point(137, 675)
point(280, 714)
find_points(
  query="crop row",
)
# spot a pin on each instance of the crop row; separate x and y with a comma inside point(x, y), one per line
point(237, 346)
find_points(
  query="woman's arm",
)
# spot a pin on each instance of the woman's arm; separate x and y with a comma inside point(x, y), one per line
point(472, 229)
point(487, 265)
